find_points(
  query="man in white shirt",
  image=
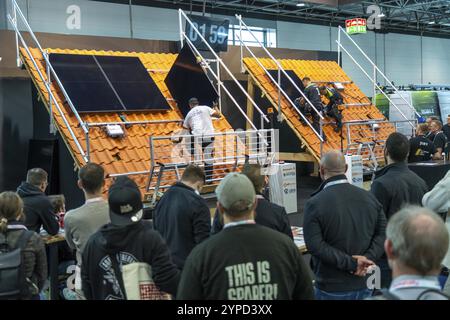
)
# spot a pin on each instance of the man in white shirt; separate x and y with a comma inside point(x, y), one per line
point(82, 222)
point(199, 123)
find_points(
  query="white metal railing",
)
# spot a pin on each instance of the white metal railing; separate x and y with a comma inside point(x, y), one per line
point(280, 70)
point(170, 154)
point(376, 71)
point(51, 74)
point(372, 128)
point(216, 73)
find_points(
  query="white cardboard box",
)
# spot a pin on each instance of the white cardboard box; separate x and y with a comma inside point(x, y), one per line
point(283, 186)
point(355, 170)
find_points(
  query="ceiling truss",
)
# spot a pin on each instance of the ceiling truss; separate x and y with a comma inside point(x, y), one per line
point(428, 17)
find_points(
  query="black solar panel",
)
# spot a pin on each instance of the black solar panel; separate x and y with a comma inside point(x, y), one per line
point(287, 85)
point(186, 79)
point(107, 83)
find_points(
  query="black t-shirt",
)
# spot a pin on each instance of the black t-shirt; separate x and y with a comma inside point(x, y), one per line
point(246, 262)
point(421, 149)
point(440, 140)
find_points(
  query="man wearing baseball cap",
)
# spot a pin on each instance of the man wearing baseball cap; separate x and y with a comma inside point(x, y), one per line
point(127, 239)
point(244, 261)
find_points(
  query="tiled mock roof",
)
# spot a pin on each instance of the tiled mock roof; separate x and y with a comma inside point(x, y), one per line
point(117, 155)
point(322, 72)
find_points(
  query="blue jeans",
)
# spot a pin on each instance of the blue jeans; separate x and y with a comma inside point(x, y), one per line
point(343, 295)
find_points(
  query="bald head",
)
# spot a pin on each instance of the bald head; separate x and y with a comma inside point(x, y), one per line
point(332, 164)
point(416, 239)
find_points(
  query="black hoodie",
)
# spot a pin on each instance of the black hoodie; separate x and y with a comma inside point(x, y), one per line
point(38, 209)
point(135, 243)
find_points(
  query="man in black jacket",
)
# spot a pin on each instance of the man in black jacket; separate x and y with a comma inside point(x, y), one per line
point(245, 261)
point(344, 229)
point(126, 240)
point(267, 214)
point(396, 186)
point(312, 93)
point(182, 216)
point(37, 206)
point(332, 108)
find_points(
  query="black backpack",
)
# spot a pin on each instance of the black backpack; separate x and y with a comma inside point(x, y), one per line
point(13, 283)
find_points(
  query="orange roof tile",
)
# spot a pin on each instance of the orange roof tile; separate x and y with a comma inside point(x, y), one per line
point(130, 153)
point(323, 71)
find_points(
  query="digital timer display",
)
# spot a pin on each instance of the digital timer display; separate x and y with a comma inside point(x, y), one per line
point(214, 31)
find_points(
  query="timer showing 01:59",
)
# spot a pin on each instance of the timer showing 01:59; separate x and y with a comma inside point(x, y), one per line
point(212, 33)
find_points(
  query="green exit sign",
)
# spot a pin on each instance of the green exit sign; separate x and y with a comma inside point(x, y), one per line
point(354, 26)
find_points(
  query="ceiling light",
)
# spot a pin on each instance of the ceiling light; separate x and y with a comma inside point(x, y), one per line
point(381, 15)
point(432, 22)
point(300, 4)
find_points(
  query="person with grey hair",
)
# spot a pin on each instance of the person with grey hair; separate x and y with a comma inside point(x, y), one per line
point(244, 261)
point(38, 209)
point(416, 242)
point(344, 230)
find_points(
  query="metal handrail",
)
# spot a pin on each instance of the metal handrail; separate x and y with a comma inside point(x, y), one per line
point(340, 29)
point(281, 69)
point(17, 12)
point(214, 134)
point(47, 61)
point(348, 124)
point(183, 36)
point(267, 153)
point(101, 124)
point(281, 90)
point(375, 84)
point(47, 86)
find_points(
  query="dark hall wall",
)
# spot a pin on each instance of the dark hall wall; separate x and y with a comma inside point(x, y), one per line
point(16, 129)
point(66, 177)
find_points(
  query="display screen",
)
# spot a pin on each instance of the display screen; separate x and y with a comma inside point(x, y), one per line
point(215, 31)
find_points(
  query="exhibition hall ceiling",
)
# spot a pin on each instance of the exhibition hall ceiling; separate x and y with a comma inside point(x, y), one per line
point(427, 17)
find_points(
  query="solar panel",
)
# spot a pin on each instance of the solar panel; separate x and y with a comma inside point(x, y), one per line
point(107, 83)
point(186, 79)
point(287, 85)
point(84, 83)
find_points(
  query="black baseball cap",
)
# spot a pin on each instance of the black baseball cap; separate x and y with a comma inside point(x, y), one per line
point(125, 204)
